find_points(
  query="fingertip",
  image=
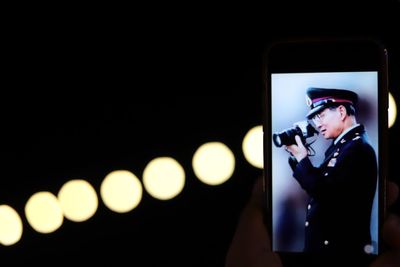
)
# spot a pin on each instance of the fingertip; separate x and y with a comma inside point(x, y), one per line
point(257, 195)
point(392, 192)
point(391, 231)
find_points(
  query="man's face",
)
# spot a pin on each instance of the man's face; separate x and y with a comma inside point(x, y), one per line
point(328, 122)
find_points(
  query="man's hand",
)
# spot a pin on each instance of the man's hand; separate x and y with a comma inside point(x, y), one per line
point(298, 151)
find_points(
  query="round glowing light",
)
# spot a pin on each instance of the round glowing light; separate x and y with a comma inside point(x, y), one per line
point(252, 146)
point(10, 226)
point(163, 178)
point(43, 212)
point(121, 191)
point(392, 110)
point(213, 163)
point(78, 200)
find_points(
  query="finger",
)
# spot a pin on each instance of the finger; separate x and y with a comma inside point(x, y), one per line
point(388, 259)
point(250, 245)
point(257, 194)
point(298, 141)
point(392, 192)
point(289, 149)
point(391, 231)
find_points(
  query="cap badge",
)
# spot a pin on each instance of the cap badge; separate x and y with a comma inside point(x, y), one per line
point(308, 101)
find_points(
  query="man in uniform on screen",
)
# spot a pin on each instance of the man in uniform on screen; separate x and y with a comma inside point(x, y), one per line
point(342, 188)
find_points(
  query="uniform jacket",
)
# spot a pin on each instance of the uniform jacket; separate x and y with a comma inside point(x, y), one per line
point(341, 194)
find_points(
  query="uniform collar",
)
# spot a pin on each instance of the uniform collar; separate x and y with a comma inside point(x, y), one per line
point(345, 132)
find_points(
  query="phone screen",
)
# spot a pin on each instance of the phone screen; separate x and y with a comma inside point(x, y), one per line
point(326, 189)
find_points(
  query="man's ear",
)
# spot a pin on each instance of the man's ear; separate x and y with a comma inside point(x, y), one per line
point(342, 111)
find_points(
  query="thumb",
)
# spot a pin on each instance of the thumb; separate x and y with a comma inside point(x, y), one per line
point(299, 142)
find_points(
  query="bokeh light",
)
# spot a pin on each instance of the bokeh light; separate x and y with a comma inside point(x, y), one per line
point(78, 200)
point(43, 212)
point(392, 110)
point(10, 226)
point(213, 163)
point(163, 178)
point(252, 146)
point(121, 191)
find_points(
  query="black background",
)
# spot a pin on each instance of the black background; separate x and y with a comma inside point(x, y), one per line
point(90, 91)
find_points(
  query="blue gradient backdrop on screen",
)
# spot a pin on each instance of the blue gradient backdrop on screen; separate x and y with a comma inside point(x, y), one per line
point(288, 98)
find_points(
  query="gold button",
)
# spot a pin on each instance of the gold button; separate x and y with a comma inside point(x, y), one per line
point(309, 207)
point(326, 242)
point(306, 224)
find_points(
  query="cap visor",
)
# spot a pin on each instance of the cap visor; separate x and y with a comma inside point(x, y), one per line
point(314, 111)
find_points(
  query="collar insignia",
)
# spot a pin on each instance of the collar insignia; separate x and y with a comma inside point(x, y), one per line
point(332, 162)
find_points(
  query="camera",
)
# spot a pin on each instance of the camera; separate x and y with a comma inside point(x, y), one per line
point(286, 137)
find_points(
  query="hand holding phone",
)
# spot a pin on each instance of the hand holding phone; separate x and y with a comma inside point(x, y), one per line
point(250, 246)
point(325, 186)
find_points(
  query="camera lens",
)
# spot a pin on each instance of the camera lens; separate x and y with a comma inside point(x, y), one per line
point(286, 137)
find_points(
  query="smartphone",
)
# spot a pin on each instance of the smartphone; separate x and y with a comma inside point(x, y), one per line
point(325, 189)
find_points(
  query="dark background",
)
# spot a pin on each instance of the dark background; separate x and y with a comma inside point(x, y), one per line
point(85, 93)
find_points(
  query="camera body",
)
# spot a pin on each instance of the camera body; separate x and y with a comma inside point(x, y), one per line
point(287, 137)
